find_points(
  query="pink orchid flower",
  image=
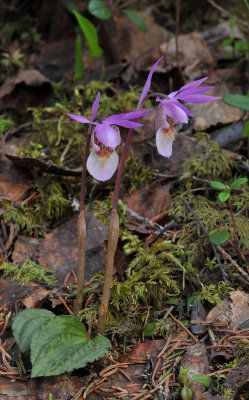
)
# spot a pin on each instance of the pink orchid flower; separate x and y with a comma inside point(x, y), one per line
point(103, 159)
point(170, 110)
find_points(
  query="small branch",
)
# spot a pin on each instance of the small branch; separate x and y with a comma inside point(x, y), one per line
point(223, 272)
point(229, 258)
point(226, 14)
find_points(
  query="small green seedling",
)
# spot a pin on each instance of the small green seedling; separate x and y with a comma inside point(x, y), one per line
point(226, 189)
point(218, 238)
point(187, 392)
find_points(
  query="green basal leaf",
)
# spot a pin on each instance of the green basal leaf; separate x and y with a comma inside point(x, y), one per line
point(227, 42)
point(246, 130)
point(26, 323)
point(223, 196)
point(69, 351)
point(90, 33)
point(99, 9)
point(219, 237)
point(78, 65)
point(202, 378)
point(54, 328)
point(238, 182)
point(149, 329)
point(236, 203)
point(218, 185)
point(237, 100)
point(139, 21)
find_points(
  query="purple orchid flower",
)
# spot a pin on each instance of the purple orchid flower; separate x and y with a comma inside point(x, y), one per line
point(170, 110)
point(103, 159)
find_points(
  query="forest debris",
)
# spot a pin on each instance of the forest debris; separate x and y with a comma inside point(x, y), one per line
point(61, 386)
point(29, 88)
point(238, 379)
point(46, 166)
point(25, 248)
point(215, 112)
point(36, 298)
point(229, 136)
point(149, 202)
point(196, 58)
point(196, 360)
point(59, 250)
point(14, 182)
point(132, 41)
point(234, 309)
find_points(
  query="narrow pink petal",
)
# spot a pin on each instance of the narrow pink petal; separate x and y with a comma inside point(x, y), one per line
point(116, 120)
point(184, 108)
point(107, 135)
point(130, 115)
point(102, 168)
point(79, 118)
point(176, 112)
point(148, 83)
point(164, 143)
point(195, 90)
point(198, 98)
point(193, 84)
point(95, 107)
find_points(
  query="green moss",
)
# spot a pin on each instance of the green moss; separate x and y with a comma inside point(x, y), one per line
point(29, 271)
point(209, 164)
point(214, 294)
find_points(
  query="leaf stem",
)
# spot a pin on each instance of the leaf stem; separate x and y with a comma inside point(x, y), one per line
point(82, 231)
point(112, 245)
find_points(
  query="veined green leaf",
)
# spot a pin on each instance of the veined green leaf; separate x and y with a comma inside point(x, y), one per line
point(48, 332)
point(26, 323)
point(238, 182)
point(134, 17)
point(218, 185)
point(223, 196)
point(237, 100)
point(90, 33)
point(201, 378)
point(67, 352)
point(99, 9)
point(219, 237)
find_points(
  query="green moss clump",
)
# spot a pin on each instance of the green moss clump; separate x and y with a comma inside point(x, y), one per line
point(209, 164)
point(29, 271)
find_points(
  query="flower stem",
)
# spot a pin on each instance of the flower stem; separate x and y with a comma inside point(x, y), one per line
point(121, 169)
point(112, 245)
point(82, 232)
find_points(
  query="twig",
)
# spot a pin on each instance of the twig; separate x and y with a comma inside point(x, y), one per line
point(226, 14)
point(229, 258)
point(184, 328)
point(167, 226)
point(65, 305)
point(223, 272)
